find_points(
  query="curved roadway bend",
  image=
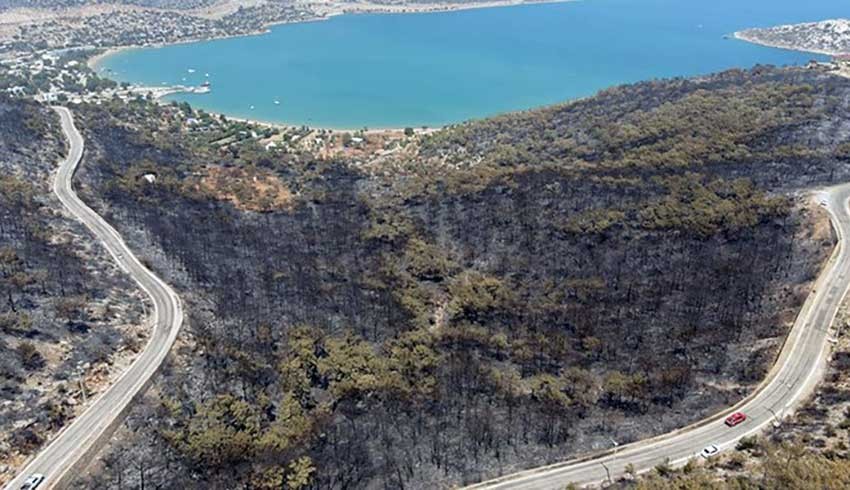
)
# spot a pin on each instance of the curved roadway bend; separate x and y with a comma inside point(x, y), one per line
point(69, 449)
point(797, 371)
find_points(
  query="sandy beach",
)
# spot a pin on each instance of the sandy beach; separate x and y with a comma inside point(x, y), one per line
point(284, 125)
point(93, 61)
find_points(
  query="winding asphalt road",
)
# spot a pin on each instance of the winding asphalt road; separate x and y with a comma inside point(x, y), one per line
point(75, 445)
point(799, 367)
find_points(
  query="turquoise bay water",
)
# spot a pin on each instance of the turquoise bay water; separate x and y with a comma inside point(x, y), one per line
point(434, 69)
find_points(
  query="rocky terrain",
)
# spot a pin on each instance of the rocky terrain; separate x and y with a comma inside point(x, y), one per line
point(830, 37)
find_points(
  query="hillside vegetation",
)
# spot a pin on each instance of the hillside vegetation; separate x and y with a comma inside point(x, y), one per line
point(754, 465)
point(525, 288)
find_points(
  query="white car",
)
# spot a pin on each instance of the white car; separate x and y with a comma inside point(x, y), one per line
point(709, 451)
point(33, 482)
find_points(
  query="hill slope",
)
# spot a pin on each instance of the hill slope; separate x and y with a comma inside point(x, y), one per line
point(524, 288)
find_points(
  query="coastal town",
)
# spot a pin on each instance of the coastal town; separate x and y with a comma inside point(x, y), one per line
point(826, 38)
point(59, 25)
point(64, 76)
point(67, 77)
point(829, 37)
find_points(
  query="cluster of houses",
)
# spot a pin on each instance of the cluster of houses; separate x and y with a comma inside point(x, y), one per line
point(51, 77)
point(42, 76)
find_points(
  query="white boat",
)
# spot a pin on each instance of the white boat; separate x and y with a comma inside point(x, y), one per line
point(252, 108)
point(191, 70)
point(277, 102)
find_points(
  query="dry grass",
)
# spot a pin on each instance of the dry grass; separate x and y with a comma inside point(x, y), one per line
point(248, 189)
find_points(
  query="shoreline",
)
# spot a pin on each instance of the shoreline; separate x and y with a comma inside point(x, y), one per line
point(159, 93)
point(741, 36)
point(94, 62)
point(288, 126)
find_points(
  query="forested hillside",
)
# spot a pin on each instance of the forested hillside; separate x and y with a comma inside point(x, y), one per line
point(61, 321)
point(527, 287)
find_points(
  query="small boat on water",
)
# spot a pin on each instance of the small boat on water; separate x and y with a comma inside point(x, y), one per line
point(252, 108)
point(277, 102)
point(191, 70)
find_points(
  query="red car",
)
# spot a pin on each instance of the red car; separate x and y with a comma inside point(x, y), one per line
point(735, 419)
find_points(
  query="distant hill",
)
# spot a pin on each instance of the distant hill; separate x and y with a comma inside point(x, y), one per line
point(54, 4)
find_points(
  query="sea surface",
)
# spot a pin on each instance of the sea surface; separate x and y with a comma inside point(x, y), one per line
point(381, 71)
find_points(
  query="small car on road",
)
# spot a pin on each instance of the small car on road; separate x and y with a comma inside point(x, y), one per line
point(33, 482)
point(735, 419)
point(709, 451)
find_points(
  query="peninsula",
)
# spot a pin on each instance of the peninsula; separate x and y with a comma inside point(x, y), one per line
point(829, 37)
